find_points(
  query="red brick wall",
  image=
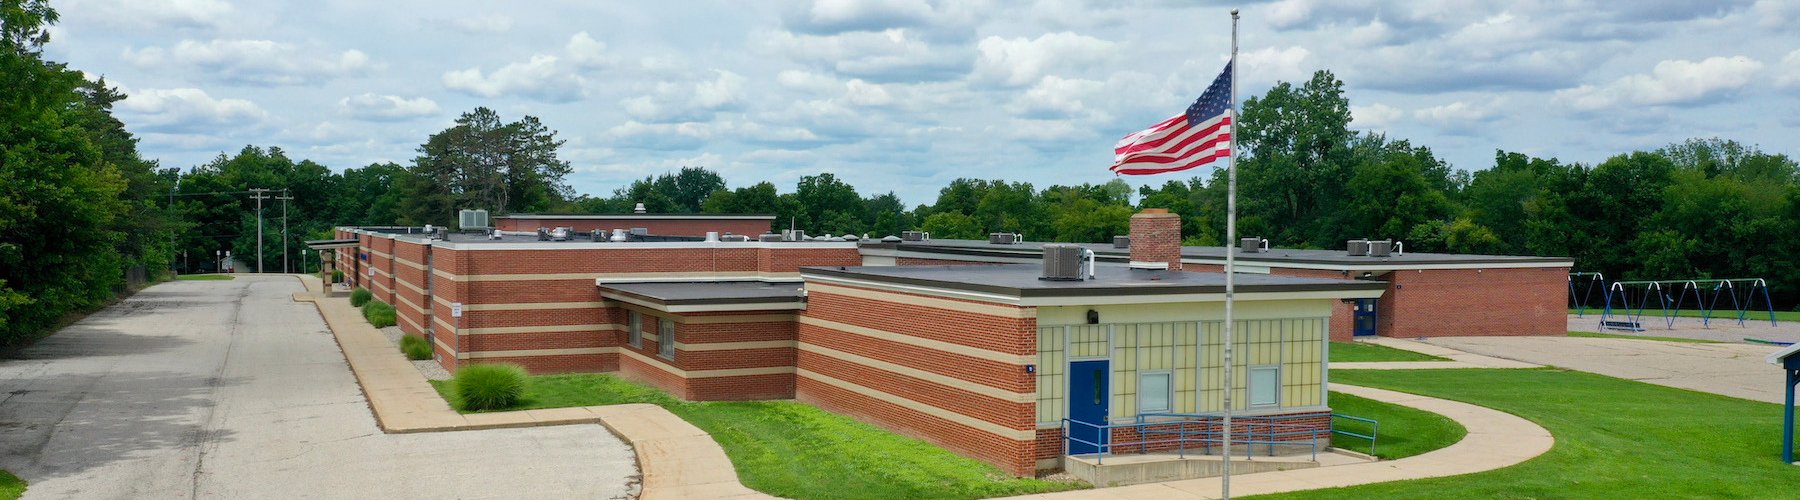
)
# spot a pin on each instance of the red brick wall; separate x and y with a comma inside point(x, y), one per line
point(1156, 237)
point(666, 227)
point(1464, 302)
point(1003, 335)
point(693, 331)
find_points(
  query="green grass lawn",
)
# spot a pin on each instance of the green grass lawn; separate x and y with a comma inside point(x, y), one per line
point(11, 487)
point(798, 451)
point(1754, 315)
point(1404, 431)
point(203, 277)
point(1356, 352)
point(1640, 337)
point(1615, 439)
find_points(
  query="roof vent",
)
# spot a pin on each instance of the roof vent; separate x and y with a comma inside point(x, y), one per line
point(1381, 248)
point(1005, 238)
point(619, 235)
point(1253, 244)
point(737, 238)
point(712, 236)
point(639, 209)
point(562, 233)
point(1121, 241)
point(915, 236)
point(599, 235)
point(1062, 262)
point(543, 234)
point(443, 233)
point(890, 239)
point(1357, 248)
point(851, 237)
point(494, 235)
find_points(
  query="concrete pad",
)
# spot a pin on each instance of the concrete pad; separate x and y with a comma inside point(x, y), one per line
point(648, 425)
point(1735, 370)
point(555, 416)
point(683, 461)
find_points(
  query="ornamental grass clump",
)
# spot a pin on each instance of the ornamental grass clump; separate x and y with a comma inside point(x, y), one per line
point(380, 314)
point(415, 347)
point(490, 386)
point(360, 296)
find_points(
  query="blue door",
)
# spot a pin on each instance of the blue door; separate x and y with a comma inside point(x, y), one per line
point(1365, 317)
point(1088, 397)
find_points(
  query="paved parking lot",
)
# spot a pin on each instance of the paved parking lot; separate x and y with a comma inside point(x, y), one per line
point(229, 389)
point(1735, 370)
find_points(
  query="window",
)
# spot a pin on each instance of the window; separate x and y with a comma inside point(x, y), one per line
point(1154, 392)
point(637, 329)
point(1265, 385)
point(665, 338)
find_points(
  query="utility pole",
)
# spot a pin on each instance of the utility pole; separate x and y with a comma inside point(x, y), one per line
point(259, 194)
point(284, 243)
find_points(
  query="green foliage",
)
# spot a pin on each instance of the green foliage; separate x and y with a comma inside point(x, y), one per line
point(482, 162)
point(490, 386)
point(952, 225)
point(380, 314)
point(360, 296)
point(1357, 352)
point(337, 276)
point(11, 487)
point(415, 347)
point(793, 450)
point(205, 277)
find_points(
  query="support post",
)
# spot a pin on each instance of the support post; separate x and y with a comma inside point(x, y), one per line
point(259, 194)
point(1787, 418)
point(1230, 257)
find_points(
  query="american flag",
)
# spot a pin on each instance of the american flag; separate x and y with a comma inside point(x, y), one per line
point(1193, 139)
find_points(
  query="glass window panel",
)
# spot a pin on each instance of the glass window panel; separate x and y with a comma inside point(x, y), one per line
point(1265, 385)
point(1153, 392)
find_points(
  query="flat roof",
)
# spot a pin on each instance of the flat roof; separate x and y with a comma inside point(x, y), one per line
point(639, 216)
point(709, 295)
point(1021, 280)
point(1106, 251)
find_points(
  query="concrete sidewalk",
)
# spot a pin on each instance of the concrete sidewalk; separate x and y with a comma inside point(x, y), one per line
point(677, 459)
point(1457, 359)
point(1735, 370)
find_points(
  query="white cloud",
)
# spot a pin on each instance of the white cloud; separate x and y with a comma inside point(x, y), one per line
point(1289, 13)
point(856, 91)
point(687, 101)
point(252, 62)
point(1790, 70)
point(861, 14)
point(893, 54)
point(1460, 117)
point(544, 77)
point(1056, 96)
point(187, 110)
point(1022, 61)
point(1271, 63)
point(1376, 116)
point(372, 107)
point(1670, 82)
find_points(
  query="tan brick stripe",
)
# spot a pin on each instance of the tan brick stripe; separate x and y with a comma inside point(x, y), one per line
point(732, 346)
point(603, 327)
point(412, 286)
point(522, 353)
point(378, 253)
point(746, 318)
point(620, 276)
point(902, 298)
point(408, 303)
point(982, 425)
point(410, 264)
point(729, 372)
point(409, 321)
point(953, 382)
point(974, 352)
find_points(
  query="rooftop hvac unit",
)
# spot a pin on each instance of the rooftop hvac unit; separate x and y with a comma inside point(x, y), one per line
point(1005, 238)
point(442, 233)
point(543, 234)
point(737, 238)
point(1121, 241)
point(770, 237)
point(794, 235)
point(1381, 248)
point(640, 231)
point(472, 219)
point(599, 236)
point(1357, 248)
point(1062, 262)
point(1253, 245)
point(494, 235)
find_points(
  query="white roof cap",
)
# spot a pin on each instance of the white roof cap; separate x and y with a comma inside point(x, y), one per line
point(1776, 357)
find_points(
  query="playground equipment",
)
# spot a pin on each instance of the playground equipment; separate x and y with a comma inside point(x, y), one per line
point(1594, 280)
point(1668, 297)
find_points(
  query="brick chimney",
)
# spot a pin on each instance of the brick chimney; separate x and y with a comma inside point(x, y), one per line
point(1156, 240)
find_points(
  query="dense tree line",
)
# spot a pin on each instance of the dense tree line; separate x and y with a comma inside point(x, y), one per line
point(79, 206)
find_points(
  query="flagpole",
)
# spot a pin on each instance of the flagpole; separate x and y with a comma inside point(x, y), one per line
point(1230, 256)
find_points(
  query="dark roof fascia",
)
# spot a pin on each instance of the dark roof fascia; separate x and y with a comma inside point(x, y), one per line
point(638, 216)
point(1098, 291)
point(775, 301)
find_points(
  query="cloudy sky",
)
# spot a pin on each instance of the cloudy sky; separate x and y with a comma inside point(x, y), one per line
point(906, 95)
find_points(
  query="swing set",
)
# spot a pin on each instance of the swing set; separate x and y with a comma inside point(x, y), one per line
point(1668, 297)
point(1593, 280)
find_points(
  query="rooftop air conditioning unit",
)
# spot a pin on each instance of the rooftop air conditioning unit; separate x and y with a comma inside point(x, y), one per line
point(1121, 241)
point(1381, 248)
point(1004, 238)
point(794, 235)
point(1357, 248)
point(443, 233)
point(770, 237)
point(1062, 262)
point(640, 231)
point(472, 219)
point(1253, 245)
point(543, 234)
point(737, 238)
point(599, 236)
point(914, 236)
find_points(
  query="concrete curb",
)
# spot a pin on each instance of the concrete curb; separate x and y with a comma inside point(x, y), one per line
point(676, 459)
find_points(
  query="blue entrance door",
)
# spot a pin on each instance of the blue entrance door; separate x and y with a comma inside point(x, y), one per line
point(1365, 317)
point(1088, 396)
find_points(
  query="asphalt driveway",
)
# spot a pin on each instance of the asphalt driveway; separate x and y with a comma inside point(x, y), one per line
point(229, 389)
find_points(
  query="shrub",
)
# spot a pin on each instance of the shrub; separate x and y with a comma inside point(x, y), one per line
point(380, 314)
point(337, 276)
point(360, 296)
point(490, 386)
point(415, 347)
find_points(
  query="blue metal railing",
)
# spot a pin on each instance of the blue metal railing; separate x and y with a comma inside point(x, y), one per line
point(1205, 430)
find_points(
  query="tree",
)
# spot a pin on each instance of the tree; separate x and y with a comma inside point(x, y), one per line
point(1298, 160)
point(481, 162)
point(828, 205)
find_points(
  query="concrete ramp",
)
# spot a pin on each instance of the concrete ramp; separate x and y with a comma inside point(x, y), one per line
point(1124, 470)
